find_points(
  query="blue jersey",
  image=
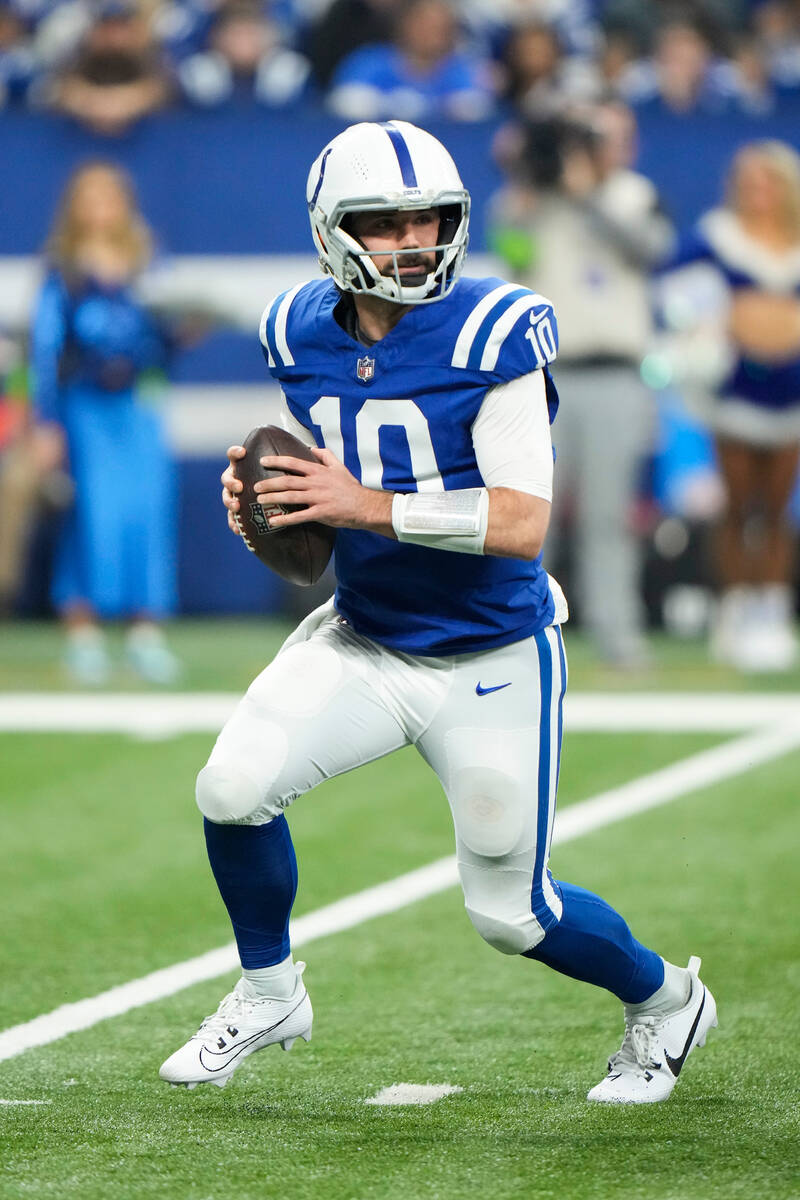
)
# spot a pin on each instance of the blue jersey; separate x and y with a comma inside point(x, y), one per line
point(89, 344)
point(92, 337)
point(719, 239)
point(399, 415)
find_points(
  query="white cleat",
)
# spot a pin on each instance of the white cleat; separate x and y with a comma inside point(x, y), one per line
point(646, 1067)
point(241, 1025)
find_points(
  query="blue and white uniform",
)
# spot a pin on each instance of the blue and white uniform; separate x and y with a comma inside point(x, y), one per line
point(458, 654)
point(90, 344)
point(756, 401)
point(408, 427)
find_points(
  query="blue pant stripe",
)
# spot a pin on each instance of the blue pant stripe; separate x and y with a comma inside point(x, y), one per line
point(562, 658)
point(541, 910)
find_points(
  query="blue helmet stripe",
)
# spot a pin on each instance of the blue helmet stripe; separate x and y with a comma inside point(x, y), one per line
point(403, 155)
point(313, 199)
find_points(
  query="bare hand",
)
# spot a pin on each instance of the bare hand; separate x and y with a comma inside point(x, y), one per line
point(231, 486)
point(329, 492)
point(48, 447)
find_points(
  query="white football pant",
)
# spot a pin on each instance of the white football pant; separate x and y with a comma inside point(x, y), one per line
point(489, 724)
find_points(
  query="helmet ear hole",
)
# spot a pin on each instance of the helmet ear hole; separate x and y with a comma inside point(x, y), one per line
point(449, 221)
point(346, 224)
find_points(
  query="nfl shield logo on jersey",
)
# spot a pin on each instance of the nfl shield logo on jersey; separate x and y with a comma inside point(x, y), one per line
point(365, 369)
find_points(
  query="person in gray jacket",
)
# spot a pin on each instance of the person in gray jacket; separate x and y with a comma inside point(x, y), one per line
point(578, 225)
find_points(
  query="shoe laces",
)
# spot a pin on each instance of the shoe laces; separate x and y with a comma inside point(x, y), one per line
point(638, 1046)
point(233, 1007)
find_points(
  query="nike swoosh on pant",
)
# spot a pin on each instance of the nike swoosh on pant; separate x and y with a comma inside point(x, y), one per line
point(482, 691)
point(675, 1064)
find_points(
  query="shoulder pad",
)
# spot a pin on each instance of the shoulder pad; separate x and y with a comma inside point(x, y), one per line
point(509, 332)
point(281, 329)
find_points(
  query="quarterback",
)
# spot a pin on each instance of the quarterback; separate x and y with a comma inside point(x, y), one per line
point(429, 400)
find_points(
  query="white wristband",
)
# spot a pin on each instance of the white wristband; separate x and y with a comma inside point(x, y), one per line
point(443, 520)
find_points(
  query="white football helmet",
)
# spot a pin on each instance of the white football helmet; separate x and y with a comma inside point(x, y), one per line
point(384, 168)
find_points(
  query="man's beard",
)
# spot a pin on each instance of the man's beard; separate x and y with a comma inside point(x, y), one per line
point(424, 262)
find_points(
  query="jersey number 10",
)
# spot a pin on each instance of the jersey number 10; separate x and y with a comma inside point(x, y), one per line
point(371, 418)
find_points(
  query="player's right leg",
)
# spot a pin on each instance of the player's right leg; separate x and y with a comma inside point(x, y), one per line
point(495, 744)
point(315, 712)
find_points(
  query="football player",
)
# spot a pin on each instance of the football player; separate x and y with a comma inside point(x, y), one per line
point(429, 398)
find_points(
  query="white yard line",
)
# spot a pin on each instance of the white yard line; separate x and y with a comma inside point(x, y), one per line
point(649, 791)
point(152, 716)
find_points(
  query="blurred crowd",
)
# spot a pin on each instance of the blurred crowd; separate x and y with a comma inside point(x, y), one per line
point(108, 63)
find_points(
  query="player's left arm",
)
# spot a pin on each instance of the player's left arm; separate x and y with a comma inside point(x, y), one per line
point(514, 452)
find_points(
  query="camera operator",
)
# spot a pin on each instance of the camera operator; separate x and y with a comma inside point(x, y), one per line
point(578, 225)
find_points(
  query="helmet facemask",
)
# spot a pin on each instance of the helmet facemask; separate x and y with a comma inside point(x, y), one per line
point(353, 268)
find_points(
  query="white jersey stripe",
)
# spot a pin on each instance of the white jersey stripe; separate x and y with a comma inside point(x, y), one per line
point(262, 335)
point(281, 344)
point(503, 326)
point(474, 321)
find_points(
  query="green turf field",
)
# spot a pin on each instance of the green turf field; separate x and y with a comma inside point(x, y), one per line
point(226, 654)
point(105, 879)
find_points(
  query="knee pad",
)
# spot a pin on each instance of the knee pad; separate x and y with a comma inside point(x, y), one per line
point(503, 935)
point(226, 796)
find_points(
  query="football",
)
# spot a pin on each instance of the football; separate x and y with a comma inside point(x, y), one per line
point(299, 553)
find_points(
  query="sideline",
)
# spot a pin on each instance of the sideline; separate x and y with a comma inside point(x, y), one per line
point(647, 792)
point(150, 716)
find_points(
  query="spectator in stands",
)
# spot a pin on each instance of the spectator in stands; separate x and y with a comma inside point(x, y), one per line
point(17, 61)
point(579, 226)
point(420, 75)
point(574, 22)
point(59, 31)
point(117, 76)
point(540, 80)
point(343, 27)
point(641, 19)
point(750, 76)
point(91, 342)
point(753, 245)
point(18, 476)
point(183, 27)
point(244, 61)
point(776, 25)
point(33, 485)
point(685, 75)
point(617, 60)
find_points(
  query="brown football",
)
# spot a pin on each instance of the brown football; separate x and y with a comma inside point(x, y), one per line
point(299, 553)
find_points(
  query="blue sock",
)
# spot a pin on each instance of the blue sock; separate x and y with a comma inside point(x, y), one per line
point(256, 873)
point(593, 943)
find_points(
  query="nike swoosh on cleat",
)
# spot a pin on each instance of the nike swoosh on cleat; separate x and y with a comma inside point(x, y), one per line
point(482, 691)
point(228, 1057)
point(675, 1064)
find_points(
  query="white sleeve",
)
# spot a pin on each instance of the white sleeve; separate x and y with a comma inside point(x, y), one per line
point(292, 425)
point(511, 436)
